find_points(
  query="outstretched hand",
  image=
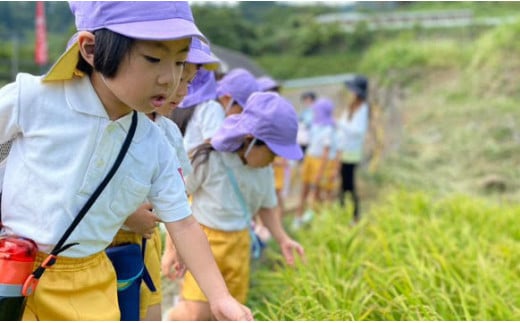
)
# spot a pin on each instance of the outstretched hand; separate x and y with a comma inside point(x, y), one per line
point(229, 309)
point(172, 260)
point(288, 248)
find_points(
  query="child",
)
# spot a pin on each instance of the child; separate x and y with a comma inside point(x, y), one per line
point(68, 132)
point(230, 182)
point(213, 102)
point(234, 89)
point(305, 119)
point(353, 125)
point(316, 158)
point(150, 302)
point(199, 114)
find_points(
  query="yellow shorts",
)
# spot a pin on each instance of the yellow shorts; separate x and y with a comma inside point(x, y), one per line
point(152, 260)
point(310, 168)
point(279, 176)
point(232, 252)
point(330, 180)
point(75, 289)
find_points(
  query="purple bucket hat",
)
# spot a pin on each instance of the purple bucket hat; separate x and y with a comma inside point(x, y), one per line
point(265, 83)
point(322, 110)
point(200, 54)
point(239, 83)
point(268, 117)
point(203, 88)
point(145, 20)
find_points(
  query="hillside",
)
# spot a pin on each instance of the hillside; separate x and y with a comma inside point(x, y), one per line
point(440, 239)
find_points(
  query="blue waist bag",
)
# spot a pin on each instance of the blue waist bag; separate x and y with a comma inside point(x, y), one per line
point(128, 262)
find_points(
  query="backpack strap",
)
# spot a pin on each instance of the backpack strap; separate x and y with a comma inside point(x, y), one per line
point(146, 274)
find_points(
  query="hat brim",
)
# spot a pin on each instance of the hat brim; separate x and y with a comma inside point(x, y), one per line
point(293, 151)
point(65, 66)
point(199, 57)
point(230, 135)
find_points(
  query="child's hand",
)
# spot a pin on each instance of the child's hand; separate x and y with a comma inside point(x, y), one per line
point(172, 260)
point(288, 246)
point(228, 309)
point(143, 220)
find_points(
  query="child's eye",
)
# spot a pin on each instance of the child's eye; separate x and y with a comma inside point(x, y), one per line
point(152, 59)
point(183, 64)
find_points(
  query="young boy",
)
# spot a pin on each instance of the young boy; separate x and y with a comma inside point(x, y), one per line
point(69, 131)
point(239, 153)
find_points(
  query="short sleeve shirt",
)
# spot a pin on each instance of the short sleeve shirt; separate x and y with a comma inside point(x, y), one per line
point(206, 120)
point(64, 146)
point(215, 203)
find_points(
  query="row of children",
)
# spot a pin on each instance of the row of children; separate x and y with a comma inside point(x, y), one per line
point(69, 127)
point(333, 149)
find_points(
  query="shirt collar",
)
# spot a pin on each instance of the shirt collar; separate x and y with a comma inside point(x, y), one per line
point(82, 97)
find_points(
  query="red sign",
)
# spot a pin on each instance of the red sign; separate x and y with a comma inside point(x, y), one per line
point(40, 50)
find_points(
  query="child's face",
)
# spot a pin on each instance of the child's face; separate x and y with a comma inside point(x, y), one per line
point(234, 108)
point(148, 75)
point(307, 101)
point(259, 156)
point(189, 73)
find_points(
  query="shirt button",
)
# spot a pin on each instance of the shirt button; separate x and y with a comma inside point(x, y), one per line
point(111, 128)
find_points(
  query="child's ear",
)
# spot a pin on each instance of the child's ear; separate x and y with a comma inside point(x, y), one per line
point(86, 41)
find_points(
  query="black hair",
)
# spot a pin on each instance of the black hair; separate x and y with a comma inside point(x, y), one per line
point(200, 155)
point(182, 117)
point(109, 50)
point(310, 95)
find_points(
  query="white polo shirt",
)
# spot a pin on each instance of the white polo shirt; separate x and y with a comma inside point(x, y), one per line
point(65, 145)
point(321, 137)
point(174, 136)
point(215, 203)
point(352, 134)
point(205, 121)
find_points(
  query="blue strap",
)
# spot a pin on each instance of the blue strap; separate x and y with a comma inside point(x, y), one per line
point(256, 245)
point(146, 274)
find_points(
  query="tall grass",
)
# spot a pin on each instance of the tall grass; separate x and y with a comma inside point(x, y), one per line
point(413, 258)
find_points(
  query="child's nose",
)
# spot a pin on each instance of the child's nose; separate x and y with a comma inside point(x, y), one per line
point(170, 78)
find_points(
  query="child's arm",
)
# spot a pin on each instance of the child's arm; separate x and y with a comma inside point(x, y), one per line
point(287, 245)
point(193, 247)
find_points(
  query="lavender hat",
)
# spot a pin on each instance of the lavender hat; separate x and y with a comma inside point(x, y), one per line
point(265, 83)
point(322, 111)
point(200, 54)
point(267, 116)
point(145, 20)
point(202, 88)
point(239, 83)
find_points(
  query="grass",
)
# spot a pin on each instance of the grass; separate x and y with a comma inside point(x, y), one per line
point(412, 258)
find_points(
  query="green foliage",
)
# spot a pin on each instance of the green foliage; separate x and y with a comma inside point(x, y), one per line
point(284, 67)
point(497, 47)
point(413, 258)
point(406, 54)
